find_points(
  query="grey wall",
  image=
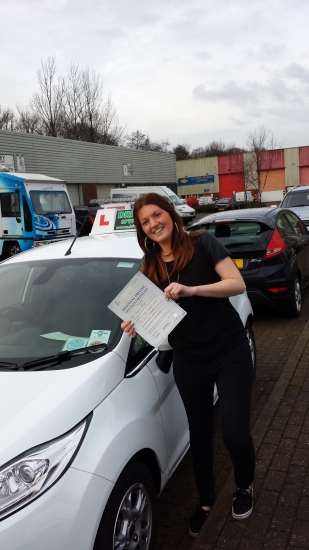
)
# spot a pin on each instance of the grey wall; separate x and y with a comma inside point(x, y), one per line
point(81, 162)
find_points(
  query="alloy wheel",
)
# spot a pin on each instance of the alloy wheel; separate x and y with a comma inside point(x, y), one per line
point(133, 524)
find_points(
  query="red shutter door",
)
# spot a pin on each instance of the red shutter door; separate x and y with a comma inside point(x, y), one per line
point(304, 175)
point(229, 183)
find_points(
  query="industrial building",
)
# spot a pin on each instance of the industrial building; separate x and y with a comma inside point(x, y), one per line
point(89, 169)
point(227, 175)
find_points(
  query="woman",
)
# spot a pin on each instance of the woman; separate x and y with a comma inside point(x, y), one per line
point(209, 344)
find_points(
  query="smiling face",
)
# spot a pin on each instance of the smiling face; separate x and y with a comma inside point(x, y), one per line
point(156, 223)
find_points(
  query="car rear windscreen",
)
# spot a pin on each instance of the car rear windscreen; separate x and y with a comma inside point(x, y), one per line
point(237, 233)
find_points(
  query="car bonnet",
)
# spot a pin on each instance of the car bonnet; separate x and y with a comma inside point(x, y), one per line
point(36, 407)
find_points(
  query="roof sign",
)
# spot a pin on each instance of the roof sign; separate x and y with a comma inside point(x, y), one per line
point(112, 220)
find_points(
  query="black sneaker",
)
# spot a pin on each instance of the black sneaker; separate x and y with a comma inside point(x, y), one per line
point(196, 521)
point(242, 503)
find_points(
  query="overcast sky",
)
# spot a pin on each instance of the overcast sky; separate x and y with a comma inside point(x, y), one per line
point(189, 71)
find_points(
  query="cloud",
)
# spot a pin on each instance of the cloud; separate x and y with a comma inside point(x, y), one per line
point(204, 55)
point(298, 72)
point(269, 50)
point(230, 91)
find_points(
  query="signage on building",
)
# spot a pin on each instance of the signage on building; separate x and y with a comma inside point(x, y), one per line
point(196, 180)
point(13, 162)
point(128, 169)
point(20, 162)
point(8, 162)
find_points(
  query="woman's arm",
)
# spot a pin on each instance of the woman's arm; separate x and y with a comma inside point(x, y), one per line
point(232, 283)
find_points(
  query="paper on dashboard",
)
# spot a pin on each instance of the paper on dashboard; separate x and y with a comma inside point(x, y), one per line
point(143, 303)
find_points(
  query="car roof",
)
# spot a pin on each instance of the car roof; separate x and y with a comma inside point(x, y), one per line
point(114, 245)
point(299, 188)
point(266, 215)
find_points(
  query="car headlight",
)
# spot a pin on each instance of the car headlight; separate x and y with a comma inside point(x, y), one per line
point(32, 473)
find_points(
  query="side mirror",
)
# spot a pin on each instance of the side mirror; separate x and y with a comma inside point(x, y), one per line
point(164, 360)
point(165, 356)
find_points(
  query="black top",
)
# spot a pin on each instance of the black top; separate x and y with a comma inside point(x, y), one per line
point(212, 325)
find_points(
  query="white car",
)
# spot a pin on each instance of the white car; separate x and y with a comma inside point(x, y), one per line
point(89, 434)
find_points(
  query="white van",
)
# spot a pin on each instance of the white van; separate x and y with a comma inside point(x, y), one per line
point(186, 212)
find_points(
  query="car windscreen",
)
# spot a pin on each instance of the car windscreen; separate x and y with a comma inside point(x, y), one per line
point(51, 306)
point(237, 233)
point(299, 198)
point(50, 202)
point(175, 200)
point(224, 200)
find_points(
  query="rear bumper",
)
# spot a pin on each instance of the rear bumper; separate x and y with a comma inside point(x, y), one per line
point(259, 293)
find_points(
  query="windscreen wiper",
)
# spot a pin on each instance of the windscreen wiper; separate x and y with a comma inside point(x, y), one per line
point(7, 365)
point(53, 360)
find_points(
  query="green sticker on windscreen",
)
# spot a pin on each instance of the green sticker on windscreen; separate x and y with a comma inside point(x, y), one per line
point(125, 264)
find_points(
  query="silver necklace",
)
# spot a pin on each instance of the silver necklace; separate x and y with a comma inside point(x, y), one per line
point(169, 281)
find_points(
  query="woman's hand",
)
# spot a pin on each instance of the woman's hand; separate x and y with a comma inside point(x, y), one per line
point(176, 291)
point(128, 328)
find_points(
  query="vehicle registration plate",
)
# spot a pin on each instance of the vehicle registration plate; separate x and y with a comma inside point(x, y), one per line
point(220, 208)
point(239, 263)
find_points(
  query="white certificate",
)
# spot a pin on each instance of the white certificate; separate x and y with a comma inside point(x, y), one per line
point(143, 303)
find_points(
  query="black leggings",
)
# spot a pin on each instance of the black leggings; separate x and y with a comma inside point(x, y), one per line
point(232, 373)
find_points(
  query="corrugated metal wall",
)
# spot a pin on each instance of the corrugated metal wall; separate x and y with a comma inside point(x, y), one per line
point(304, 156)
point(230, 164)
point(271, 160)
point(291, 166)
point(81, 162)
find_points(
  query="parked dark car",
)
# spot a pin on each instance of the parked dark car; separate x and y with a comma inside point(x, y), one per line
point(226, 204)
point(84, 219)
point(271, 248)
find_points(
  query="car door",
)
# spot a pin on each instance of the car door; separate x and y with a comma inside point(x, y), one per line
point(301, 231)
point(10, 214)
point(172, 411)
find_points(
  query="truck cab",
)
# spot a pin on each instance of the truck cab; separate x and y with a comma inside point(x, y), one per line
point(34, 209)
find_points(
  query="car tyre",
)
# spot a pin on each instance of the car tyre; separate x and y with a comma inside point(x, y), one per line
point(130, 517)
point(11, 249)
point(294, 305)
point(251, 341)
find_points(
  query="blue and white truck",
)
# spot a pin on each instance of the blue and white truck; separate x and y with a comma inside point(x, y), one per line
point(34, 209)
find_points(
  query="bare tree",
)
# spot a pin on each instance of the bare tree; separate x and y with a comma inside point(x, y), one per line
point(74, 121)
point(137, 140)
point(7, 119)
point(47, 104)
point(111, 132)
point(261, 158)
point(216, 149)
point(28, 122)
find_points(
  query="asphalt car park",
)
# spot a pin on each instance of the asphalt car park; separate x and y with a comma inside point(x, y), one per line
point(92, 426)
point(271, 248)
point(275, 339)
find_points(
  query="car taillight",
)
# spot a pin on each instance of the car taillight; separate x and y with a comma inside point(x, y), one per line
point(90, 219)
point(278, 289)
point(275, 246)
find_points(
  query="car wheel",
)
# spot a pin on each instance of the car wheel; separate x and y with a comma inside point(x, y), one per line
point(130, 517)
point(251, 341)
point(12, 249)
point(294, 305)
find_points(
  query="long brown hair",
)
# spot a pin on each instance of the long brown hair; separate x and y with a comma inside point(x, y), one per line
point(182, 243)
